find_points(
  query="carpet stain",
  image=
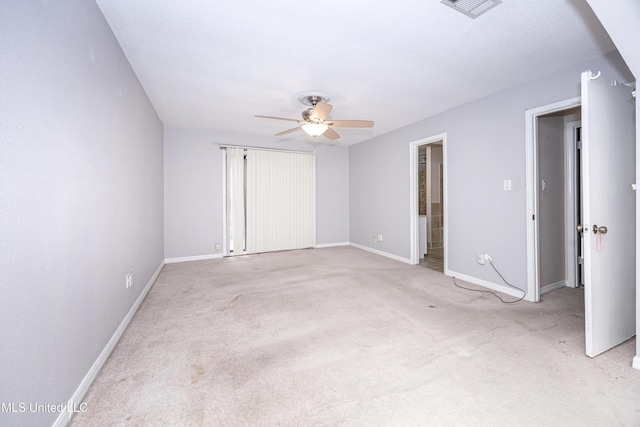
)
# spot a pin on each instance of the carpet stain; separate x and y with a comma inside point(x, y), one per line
point(236, 298)
point(230, 302)
point(242, 380)
point(197, 372)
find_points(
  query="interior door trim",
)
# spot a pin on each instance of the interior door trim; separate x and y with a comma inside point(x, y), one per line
point(531, 149)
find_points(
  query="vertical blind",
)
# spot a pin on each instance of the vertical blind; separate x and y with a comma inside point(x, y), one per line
point(280, 193)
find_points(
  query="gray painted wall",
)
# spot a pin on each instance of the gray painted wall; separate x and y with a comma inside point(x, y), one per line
point(193, 188)
point(551, 198)
point(80, 198)
point(485, 145)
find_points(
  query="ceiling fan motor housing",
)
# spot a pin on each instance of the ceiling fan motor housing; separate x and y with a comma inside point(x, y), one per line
point(306, 115)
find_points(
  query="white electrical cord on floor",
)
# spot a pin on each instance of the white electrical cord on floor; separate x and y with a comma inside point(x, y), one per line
point(490, 259)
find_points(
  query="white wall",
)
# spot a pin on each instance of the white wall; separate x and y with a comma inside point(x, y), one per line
point(193, 189)
point(486, 145)
point(80, 198)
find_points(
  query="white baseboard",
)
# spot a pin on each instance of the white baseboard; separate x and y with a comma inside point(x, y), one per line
point(192, 258)
point(493, 286)
point(75, 404)
point(331, 245)
point(382, 253)
point(636, 363)
point(552, 287)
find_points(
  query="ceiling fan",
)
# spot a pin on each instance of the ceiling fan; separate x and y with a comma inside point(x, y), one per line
point(315, 119)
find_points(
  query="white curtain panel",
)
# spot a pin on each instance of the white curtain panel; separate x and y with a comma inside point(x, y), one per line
point(235, 200)
point(281, 200)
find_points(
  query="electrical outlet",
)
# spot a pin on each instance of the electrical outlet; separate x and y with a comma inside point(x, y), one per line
point(379, 237)
point(217, 247)
point(375, 240)
point(487, 257)
point(480, 258)
point(128, 280)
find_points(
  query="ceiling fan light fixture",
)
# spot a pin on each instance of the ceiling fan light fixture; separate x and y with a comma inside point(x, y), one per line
point(315, 129)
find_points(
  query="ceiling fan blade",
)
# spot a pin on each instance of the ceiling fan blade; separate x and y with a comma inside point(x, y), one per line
point(320, 112)
point(351, 123)
point(284, 132)
point(279, 118)
point(331, 134)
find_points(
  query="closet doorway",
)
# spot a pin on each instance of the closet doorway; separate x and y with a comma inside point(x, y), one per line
point(558, 200)
point(428, 210)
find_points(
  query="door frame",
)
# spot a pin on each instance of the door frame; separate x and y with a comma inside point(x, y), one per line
point(225, 245)
point(571, 215)
point(531, 153)
point(413, 198)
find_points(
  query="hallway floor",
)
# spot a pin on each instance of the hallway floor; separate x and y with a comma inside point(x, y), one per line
point(434, 259)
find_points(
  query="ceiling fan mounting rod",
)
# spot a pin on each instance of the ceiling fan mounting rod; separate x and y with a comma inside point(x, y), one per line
point(312, 98)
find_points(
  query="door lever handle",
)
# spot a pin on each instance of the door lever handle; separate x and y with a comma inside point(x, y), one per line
point(602, 230)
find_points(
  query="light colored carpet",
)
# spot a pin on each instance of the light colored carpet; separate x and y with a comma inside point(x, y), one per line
point(342, 337)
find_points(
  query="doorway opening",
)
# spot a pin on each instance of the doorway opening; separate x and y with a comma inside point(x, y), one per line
point(554, 249)
point(429, 202)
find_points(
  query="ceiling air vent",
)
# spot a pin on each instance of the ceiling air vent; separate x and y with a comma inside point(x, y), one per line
point(471, 8)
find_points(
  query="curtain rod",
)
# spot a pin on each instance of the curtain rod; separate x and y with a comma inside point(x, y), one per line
point(265, 149)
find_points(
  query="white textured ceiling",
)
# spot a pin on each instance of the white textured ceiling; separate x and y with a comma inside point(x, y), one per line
point(213, 64)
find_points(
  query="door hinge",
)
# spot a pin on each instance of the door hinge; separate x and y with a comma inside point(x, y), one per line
point(578, 145)
point(580, 260)
point(533, 217)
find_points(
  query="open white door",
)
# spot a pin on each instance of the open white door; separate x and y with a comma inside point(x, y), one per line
point(608, 200)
